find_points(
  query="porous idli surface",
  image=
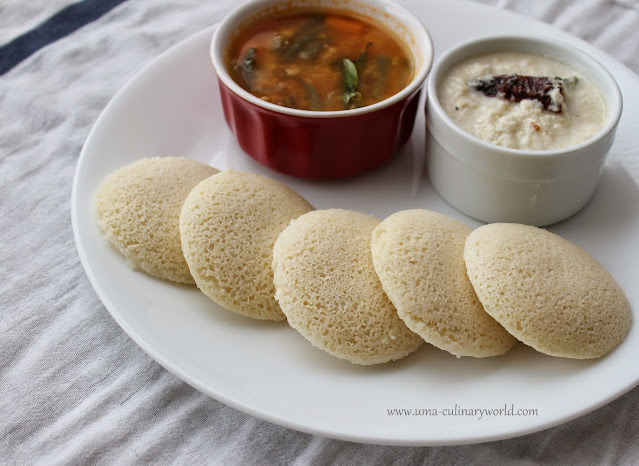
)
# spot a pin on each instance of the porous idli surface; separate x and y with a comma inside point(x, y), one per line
point(229, 224)
point(328, 289)
point(546, 291)
point(138, 209)
point(419, 258)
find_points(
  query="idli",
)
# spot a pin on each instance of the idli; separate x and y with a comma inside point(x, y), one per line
point(229, 223)
point(328, 289)
point(546, 291)
point(419, 258)
point(138, 209)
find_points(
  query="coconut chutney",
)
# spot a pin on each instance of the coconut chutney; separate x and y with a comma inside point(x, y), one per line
point(576, 113)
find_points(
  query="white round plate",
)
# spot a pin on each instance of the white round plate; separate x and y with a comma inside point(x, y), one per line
point(267, 369)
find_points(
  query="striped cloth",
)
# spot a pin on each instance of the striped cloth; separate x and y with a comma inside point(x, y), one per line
point(74, 389)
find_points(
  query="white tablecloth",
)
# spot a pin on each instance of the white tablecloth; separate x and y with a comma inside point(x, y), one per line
point(74, 389)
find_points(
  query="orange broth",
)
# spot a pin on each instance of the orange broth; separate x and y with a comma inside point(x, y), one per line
point(318, 60)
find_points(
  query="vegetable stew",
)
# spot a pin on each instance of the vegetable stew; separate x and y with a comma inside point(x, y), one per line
point(318, 60)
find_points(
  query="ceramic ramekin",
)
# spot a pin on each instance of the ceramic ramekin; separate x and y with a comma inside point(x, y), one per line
point(497, 184)
point(314, 144)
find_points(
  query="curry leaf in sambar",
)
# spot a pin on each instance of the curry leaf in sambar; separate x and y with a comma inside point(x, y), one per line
point(350, 80)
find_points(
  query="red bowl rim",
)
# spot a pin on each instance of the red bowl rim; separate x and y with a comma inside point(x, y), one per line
point(418, 30)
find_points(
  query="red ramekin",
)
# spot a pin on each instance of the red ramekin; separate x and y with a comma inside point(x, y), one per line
point(316, 144)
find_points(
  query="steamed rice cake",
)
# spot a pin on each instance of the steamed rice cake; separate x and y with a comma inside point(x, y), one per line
point(328, 289)
point(419, 258)
point(546, 291)
point(228, 226)
point(138, 209)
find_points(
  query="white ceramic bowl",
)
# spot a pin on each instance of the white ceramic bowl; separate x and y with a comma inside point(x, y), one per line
point(497, 184)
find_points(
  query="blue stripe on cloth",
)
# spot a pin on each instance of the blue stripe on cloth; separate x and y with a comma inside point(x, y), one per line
point(61, 24)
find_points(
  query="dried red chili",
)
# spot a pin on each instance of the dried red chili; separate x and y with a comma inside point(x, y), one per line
point(516, 88)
